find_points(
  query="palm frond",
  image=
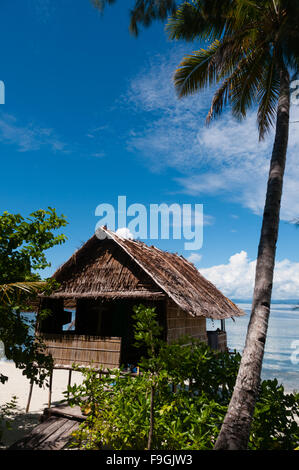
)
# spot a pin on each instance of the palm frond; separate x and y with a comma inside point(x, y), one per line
point(246, 83)
point(9, 291)
point(206, 20)
point(223, 94)
point(188, 23)
point(207, 66)
point(101, 4)
point(267, 97)
point(197, 71)
point(220, 99)
point(145, 12)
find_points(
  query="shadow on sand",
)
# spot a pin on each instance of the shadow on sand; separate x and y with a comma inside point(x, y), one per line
point(21, 424)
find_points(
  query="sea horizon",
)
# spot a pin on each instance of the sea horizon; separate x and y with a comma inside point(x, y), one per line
point(283, 332)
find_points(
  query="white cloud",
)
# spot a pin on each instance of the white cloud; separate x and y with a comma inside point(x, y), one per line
point(239, 165)
point(169, 135)
point(194, 258)
point(236, 278)
point(225, 158)
point(28, 137)
point(124, 232)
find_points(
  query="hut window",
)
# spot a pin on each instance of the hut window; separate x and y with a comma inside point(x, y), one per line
point(70, 325)
point(56, 319)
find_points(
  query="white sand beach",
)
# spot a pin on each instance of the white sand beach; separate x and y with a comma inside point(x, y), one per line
point(18, 385)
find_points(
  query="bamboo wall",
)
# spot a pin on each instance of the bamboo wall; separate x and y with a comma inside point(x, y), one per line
point(180, 323)
point(95, 351)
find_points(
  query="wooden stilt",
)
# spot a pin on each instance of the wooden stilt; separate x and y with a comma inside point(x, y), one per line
point(29, 396)
point(50, 389)
point(69, 382)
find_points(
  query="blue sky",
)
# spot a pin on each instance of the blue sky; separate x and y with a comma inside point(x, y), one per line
point(91, 114)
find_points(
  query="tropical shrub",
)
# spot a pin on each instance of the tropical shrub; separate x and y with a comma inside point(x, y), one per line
point(179, 400)
point(23, 243)
point(7, 411)
point(274, 424)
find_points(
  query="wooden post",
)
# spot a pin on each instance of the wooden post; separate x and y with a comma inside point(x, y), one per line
point(69, 382)
point(29, 396)
point(50, 389)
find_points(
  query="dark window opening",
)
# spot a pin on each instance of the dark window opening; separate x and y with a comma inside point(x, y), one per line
point(102, 318)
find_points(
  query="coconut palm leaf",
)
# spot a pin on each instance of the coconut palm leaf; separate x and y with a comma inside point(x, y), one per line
point(9, 291)
point(207, 66)
point(203, 20)
point(197, 70)
point(247, 81)
point(267, 96)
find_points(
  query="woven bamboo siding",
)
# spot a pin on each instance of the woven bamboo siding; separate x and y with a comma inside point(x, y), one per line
point(83, 350)
point(180, 323)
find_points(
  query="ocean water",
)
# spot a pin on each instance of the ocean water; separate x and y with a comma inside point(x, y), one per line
point(281, 359)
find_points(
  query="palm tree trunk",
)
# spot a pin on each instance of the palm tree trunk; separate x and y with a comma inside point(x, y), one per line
point(235, 431)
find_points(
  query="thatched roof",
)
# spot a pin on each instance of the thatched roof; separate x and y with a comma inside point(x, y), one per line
point(115, 267)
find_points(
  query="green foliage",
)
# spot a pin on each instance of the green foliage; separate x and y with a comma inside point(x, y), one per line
point(274, 425)
point(22, 246)
point(6, 413)
point(147, 333)
point(192, 387)
point(21, 346)
point(208, 372)
point(119, 415)
point(24, 241)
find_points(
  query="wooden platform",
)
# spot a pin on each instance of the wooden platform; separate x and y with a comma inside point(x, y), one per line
point(54, 432)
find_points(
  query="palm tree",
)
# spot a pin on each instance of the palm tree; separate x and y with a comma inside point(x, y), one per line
point(254, 47)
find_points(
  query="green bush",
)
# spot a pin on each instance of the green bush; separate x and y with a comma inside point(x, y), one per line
point(179, 400)
point(274, 425)
point(118, 417)
point(7, 411)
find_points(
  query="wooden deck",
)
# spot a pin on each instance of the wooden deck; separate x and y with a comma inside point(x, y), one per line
point(55, 430)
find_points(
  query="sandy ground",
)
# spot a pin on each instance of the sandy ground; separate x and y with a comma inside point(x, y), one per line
point(18, 385)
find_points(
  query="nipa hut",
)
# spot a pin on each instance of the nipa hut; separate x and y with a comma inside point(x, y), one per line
point(101, 283)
